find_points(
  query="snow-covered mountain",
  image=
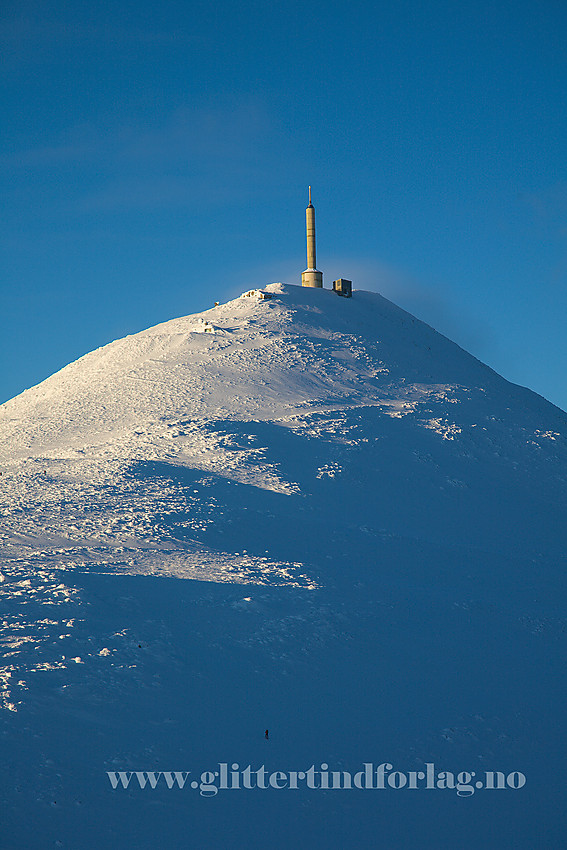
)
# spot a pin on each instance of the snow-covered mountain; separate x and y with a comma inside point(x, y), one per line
point(295, 511)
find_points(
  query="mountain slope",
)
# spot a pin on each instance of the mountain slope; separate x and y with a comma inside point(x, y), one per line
point(383, 393)
point(397, 512)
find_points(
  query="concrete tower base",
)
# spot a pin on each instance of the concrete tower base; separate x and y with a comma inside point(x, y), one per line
point(312, 277)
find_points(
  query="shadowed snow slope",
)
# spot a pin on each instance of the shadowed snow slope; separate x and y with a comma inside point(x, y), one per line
point(396, 511)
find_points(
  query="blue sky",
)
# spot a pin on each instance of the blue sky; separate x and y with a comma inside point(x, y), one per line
point(155, 158)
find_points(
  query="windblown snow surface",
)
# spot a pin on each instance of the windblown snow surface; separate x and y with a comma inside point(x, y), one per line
point(301, 513)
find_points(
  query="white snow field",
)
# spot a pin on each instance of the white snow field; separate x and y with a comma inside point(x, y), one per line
point(302, 513)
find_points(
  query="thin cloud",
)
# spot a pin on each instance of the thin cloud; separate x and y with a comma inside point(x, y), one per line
point(206, 153)
point(30, 36)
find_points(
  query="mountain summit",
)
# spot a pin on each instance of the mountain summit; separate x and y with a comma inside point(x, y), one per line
point(397, 512)
point(355, 411)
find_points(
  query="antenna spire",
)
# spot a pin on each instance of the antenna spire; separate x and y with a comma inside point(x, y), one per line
point(310, 195)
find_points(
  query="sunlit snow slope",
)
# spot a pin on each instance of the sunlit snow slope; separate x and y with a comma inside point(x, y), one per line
point(397, 512)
